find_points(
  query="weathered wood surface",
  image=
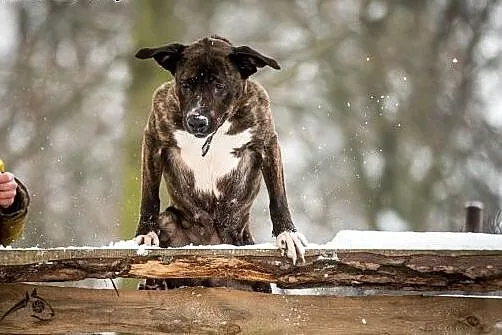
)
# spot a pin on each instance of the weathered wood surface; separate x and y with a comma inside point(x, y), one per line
point(475, 271)
point(225, 311)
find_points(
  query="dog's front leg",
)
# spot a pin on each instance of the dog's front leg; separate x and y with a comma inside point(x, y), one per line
point(151, 174)
point(291, 243)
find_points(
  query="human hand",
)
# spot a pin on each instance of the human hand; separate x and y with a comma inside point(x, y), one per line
point(8, 188)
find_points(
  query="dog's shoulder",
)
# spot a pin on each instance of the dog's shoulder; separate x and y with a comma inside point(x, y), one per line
point(258, 102)
point(256, 93)
point(164, 115)
point(164, 92)
point(165, 101)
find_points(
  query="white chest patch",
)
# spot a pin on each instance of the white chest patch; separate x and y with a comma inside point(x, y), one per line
point(219, 160)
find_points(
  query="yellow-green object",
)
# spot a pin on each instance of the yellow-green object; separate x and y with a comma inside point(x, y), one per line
point(12, 219)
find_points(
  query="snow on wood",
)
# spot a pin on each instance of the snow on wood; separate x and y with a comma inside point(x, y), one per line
point(353, 239)
point(419, 261)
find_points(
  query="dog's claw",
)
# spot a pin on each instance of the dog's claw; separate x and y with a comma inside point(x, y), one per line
point(292, 244)
point(149, 239)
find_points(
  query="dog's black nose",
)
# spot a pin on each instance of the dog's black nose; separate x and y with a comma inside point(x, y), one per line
point(197, 123)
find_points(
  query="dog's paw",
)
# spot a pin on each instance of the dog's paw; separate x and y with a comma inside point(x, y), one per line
point(149, 239)
point(292, 245)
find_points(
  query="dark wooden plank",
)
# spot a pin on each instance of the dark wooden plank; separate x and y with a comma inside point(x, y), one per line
point(225, 311)
point(475, 271)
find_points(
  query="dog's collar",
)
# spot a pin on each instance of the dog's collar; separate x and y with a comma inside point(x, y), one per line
point(205, 146)
point(207, 143)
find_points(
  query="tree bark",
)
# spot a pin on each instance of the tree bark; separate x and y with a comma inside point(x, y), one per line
point(433, 270)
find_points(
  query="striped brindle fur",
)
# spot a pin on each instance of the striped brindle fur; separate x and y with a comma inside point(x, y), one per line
point(211, 136)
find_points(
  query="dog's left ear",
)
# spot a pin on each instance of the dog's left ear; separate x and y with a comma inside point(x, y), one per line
point(249, 60)
point(167, 56)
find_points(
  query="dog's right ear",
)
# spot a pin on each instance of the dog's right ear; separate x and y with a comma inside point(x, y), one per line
point(167, 56)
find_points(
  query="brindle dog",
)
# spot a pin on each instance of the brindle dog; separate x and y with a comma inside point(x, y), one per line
point(211, 136)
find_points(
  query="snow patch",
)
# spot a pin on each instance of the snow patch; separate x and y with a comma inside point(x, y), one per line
point(345, 239)
point(128, 244)
point(230, 246)
point(353, 239)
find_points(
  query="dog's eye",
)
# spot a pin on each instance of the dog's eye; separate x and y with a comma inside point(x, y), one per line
point(185, 85)
point(219, 86)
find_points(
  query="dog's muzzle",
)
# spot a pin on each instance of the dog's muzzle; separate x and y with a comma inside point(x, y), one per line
point(198, 124)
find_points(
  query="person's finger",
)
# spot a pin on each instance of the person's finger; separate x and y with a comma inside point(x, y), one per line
point(6, 177)
point(8, 195)
point(8, 186)
point(6, 202)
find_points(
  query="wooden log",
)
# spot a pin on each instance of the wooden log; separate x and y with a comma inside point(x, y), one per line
point(226, 311)
point(474, 271)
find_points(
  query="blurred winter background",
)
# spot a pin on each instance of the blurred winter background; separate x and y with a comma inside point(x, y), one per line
point(389, 112)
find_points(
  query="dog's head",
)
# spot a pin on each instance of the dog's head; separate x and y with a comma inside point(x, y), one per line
point(210, 75)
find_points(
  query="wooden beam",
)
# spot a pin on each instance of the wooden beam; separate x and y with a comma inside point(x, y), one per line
point(226, 311)
point(474, 271)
